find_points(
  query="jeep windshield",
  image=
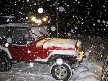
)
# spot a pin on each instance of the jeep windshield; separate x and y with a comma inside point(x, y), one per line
point(39, 32)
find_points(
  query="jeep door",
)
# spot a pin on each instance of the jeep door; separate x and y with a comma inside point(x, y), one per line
point(21, 47)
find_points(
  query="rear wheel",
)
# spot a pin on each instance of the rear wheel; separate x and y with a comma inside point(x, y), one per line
point(5, 62)
point(61, 72)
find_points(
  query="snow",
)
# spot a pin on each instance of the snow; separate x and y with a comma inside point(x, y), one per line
point(69, 34)
point(59, 61)
point(24, 71)
point(9, 17)
point(27, 0)
point(59, 42)
point(16, 25)
point(76, 28)
point(39, 31)
point(31, 64)
point(7, 44)
point(9, 40)
point(40, 72)
point(87, 54)
point(73, 8)
point(40, 10)
point(53, 28)
point(61, 9)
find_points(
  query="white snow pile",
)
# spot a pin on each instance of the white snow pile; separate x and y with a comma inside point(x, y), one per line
point(57, 42)
point(86, 71)
point(41, 72)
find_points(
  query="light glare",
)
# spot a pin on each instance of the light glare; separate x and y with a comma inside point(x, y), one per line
point(40, 10)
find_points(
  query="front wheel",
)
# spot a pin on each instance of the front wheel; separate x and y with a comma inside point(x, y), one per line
point(61, 72)
point(5, 62)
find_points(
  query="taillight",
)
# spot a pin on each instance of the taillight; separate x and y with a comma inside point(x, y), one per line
point(77, 46)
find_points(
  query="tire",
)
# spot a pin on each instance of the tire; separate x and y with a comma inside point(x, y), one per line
point(61, 72)
point(5, 62)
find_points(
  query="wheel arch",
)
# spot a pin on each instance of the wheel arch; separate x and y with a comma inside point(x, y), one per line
point(64, 57)
point(59, 53)
point(7, 51)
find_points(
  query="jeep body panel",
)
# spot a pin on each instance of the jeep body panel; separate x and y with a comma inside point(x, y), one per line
point(60, 53)
point(40, 50)
point(28, 43)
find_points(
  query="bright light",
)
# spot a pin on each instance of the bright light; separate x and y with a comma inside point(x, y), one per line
point(33, 18)
point(40, 10)
point(44, 19)
point(38, 21)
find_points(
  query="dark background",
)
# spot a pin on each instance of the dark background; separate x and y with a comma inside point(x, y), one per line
point(88, 17)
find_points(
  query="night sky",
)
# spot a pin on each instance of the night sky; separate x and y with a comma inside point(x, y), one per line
point(87, 17)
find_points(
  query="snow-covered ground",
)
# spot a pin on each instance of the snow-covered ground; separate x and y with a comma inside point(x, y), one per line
point(22, 71)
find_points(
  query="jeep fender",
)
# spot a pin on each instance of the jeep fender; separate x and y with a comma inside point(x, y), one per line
point(59, 52)
point(7, 51)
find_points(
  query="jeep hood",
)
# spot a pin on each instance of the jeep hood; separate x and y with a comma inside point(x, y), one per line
point(57, 42)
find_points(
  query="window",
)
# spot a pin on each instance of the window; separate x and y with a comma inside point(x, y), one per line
point(3, 35)
point(21, 35)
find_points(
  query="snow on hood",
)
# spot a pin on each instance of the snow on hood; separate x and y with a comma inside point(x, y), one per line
point(57, 42)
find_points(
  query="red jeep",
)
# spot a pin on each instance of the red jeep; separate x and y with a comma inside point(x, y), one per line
point(26, 42)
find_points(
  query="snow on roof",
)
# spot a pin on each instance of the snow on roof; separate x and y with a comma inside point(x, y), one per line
point(19, 25)
point(8, 17)
point(15, 25)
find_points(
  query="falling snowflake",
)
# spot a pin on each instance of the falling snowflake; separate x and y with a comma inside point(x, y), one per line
point(27, 0)
point(69, 34)
point(7, 44)
point(61, 9)
point(106, 22)
point(48, 0)
point(98, 21)
point(103, 21)
point(53, 28)
point(94, 24)
point(72, 30)
point(76, 28)
point(8, 20)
